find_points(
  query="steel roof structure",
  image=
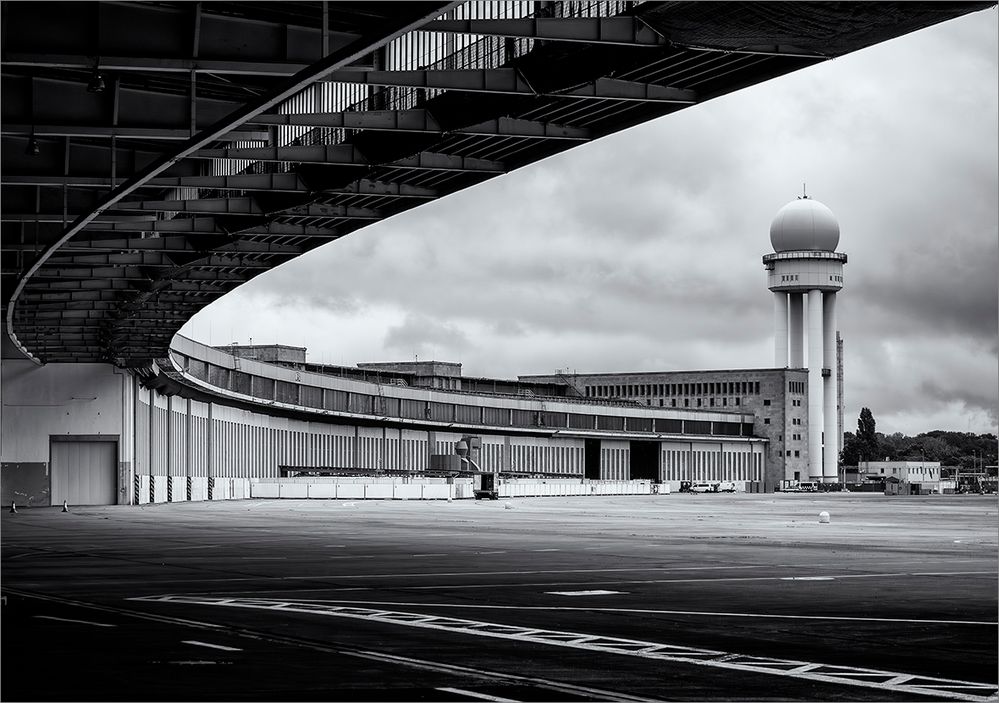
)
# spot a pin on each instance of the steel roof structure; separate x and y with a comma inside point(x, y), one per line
point(155, 155)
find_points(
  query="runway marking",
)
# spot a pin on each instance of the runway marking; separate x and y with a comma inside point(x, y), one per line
point(546, 550)
point(497, 552)
point(585, 593)
point(199, 643)
point(810, 578)
point(475, 694)
point(895, 682)
point(81, 622)
point(487, 675)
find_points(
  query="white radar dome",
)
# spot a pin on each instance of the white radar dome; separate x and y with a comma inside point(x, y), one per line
point(804, 224)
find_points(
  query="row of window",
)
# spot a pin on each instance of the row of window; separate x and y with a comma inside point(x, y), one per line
point(674, 389)
point(796, 387)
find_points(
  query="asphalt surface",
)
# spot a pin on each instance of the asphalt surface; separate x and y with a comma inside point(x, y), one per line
point(678, 597)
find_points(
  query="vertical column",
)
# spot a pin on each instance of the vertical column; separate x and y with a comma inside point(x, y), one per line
point(780, 329)
point(830, 461)
point(815, 349)
point(797, 329)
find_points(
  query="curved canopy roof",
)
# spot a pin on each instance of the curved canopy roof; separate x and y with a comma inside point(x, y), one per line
point(158, 154)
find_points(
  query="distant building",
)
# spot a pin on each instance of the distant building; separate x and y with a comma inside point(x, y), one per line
point(921, 472)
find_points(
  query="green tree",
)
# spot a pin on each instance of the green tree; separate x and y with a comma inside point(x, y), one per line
point(867, 436)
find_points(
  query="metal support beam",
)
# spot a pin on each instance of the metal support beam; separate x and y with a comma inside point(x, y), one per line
point(348, 155)
point(510, 81)
point(619, 31)
point(421, 121)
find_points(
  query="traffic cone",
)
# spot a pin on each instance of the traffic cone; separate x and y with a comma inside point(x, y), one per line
point(13, 507)
point(65, 508)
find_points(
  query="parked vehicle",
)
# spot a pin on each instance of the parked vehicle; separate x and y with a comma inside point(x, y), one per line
point(705, 487)
point(726, 487)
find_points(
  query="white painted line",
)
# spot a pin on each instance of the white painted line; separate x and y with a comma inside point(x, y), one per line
point(499, 552)
point(824, 673)
point(584, 593)
point(474, 694)
point(81, 622)
point(191, 546)
point(808, 578)
point(546, 550)
point(214, 646)
point(649, 611)
point(435, 554)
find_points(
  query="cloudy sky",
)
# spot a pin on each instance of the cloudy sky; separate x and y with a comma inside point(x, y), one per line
point(642, 251)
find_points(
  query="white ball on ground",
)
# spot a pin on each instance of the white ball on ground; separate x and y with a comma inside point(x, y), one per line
point(507, 505)
point(823, 517)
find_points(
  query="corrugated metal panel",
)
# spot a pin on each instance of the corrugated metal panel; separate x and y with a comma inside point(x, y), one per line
point(84, 473)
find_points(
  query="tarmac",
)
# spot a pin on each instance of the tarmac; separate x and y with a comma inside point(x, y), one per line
point(665, 597)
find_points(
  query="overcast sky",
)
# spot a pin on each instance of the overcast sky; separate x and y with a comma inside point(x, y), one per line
point(642, 251)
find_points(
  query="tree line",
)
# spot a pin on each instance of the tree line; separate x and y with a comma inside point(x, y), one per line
point(964, 449)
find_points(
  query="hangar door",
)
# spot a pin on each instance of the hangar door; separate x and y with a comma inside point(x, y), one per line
point(84, 472)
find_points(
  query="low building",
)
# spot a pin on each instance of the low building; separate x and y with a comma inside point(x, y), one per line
point(921, 472)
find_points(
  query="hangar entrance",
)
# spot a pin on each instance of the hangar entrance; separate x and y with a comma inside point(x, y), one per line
point(591, 458)
point(84, 471)
point(645, 460)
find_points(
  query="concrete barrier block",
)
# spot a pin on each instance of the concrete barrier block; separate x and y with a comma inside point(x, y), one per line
point(350, 490)
point(437, 491)
point(199, 488)
point(406, 491)
point(322, 490)
point(178, 488)
point(293, 490)
point(377, 490)
point(264, 490)
point(222, 489)
point(143, 490)
point(160, 491)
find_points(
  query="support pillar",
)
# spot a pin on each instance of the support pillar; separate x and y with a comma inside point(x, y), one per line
point(780, 329)
point(797, 329)
point(830, 461)
point(815, 349)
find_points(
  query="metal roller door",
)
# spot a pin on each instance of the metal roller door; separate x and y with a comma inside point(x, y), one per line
point(84, 473)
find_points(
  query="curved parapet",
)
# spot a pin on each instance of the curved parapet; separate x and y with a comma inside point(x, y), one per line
point(200, 371)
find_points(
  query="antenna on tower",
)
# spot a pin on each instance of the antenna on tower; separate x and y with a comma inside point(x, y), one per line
point(804, 194)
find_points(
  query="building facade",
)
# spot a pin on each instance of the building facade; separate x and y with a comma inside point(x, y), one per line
point(776, 398)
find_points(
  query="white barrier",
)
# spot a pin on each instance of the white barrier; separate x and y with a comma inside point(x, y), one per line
point(160, 490)
point(293, 490)
point(377, 490)
point(199, 488)
point(178, 488)
point(143, 497)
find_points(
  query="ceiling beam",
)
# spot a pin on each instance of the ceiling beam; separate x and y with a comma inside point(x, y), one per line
point(121, 132)
point(149, 64)
point(249, 206)
point(348, 155)
point(510, 81)
point(421, 121)
point(618, 31)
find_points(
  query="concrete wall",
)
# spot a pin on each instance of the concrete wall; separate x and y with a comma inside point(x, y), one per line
point(57, 399)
